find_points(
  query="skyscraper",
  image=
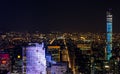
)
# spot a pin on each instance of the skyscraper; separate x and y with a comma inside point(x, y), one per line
point(109, 34)
point(35, 59)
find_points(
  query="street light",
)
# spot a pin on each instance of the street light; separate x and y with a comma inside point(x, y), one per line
point(107, 66)
point(18, 56)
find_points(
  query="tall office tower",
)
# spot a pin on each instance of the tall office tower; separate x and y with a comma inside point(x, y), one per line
point(109, 34)
point(35, 61)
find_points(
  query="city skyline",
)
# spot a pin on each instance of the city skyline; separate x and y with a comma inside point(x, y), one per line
point(65, 16)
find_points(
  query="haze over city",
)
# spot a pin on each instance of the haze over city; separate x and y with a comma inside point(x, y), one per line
point(54, 15)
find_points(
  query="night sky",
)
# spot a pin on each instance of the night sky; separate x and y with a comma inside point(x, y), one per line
point(57, 15)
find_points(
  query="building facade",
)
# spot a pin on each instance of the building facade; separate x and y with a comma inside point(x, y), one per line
point(109, 34)
point(34, 61)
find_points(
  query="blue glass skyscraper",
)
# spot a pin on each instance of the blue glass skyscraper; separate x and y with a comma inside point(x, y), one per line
point(109, 34)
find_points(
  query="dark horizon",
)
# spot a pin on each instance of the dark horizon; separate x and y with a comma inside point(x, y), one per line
point(64, 16)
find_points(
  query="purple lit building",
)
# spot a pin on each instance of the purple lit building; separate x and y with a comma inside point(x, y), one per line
point(34, 61)
point(59, 68)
